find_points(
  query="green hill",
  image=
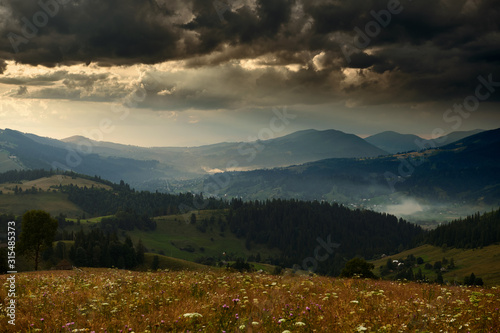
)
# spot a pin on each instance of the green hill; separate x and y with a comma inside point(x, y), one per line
point(483, 262)
point(175, 238)
point(174, 264)
point(54, 203)
point(43, 193)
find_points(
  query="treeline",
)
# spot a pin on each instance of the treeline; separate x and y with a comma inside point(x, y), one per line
point(18, 175)
point(127, 220)
point(97, 248)
point(98, 202)
point(298, 228)
point(472, 232)
point(100, 249)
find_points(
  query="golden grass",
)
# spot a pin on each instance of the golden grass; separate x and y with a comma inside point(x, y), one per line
point(99, 300)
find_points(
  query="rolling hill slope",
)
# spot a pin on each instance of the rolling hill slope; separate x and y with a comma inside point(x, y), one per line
point(43, 193)
point(477, 261)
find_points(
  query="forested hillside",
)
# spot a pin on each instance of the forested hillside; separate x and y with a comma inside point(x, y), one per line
point(102, 202)
point(309, 235)
point(297, 228)
point(471, 232)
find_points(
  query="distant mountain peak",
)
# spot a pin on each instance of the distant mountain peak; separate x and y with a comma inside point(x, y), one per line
point(395, 142)
point(76, 138)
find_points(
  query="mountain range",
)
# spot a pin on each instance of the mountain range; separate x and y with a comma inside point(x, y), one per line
point(310, 165)
point(139, 164)
point(441, 183)
point(465, 169)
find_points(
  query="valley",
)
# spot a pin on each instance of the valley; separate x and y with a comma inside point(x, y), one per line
point(207, 236)
point(286, 227)
point(249, 166)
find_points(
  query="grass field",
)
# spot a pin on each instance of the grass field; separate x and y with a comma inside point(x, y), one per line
point(110, 300)
point(173, 264)
point(87, 222)
point(52, 202)
point(484, 263)
point(173, 235)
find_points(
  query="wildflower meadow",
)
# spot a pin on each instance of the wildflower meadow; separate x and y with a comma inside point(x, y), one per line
point(111, 300)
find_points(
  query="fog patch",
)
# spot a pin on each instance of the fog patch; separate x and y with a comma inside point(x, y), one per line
point(406, 207)
point(212, 171)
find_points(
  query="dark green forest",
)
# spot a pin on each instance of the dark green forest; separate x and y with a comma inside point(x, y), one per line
point(100, 202)
point(471, 232)
point(101, 249)
point(295, 226)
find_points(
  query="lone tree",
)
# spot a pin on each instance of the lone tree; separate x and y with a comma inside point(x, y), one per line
point(38, 229)
point(358, 267)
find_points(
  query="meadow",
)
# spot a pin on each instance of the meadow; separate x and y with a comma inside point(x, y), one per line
point(111, 300)
point(53, 202)
point(49, 198)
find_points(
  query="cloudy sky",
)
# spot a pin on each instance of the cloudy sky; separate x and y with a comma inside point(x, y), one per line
point(191, 72)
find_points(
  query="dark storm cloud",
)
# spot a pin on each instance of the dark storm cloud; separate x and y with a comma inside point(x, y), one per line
point(111, 31)
point(430, 49)
point(242, 25)
point(362, 60)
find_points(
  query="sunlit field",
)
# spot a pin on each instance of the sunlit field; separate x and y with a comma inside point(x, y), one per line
point(110, 300)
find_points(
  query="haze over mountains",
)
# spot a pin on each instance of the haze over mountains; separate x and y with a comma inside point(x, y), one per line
point(464, 170)
point(436, 184)
point(394, 142)
point(311, 165)
point(140, 164)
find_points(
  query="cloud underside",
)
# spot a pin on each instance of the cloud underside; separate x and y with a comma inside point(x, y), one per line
point(231, 54)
